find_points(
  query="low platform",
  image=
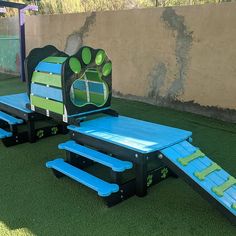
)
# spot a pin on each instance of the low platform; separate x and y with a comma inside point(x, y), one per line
point(14, 112)
point(141, 136)
point(17, 101)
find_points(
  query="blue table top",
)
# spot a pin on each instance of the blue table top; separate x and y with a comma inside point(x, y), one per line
point(138, 135)
point(17, 101)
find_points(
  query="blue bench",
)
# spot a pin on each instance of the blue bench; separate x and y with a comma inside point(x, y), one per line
point(10, 119)
point(103, 188)
point(4, 134)
point(115, 164)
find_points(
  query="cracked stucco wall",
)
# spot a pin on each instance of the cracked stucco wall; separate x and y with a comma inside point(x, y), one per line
point(182, 57)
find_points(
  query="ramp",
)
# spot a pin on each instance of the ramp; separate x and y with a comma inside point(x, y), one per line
point(205, 176)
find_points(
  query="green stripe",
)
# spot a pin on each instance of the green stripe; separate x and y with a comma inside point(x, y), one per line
point(219, 190)
point(59, 60)
point(234, 206)
point(47, 79)
point(202, 174)
point(92, 75)
point(46, 104)
point(97, 99)
point(185, 160)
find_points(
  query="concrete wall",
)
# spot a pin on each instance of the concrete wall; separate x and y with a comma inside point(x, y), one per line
point(183, 57)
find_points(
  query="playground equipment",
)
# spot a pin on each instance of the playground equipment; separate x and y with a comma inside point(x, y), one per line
point(146, 152)
point(131, 155)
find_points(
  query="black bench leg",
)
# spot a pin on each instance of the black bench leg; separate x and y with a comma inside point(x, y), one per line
point(31, 131)
point(141, 175)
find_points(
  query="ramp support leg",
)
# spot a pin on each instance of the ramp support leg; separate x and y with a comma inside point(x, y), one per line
point(31, 131)
point(141, 175)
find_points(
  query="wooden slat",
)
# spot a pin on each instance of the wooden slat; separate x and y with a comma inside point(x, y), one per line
point(46, 104)
point(48, 79)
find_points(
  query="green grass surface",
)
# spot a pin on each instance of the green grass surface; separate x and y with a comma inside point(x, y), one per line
point(34, 202)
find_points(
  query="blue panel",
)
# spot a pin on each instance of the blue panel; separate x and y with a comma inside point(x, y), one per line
point(141, 136)
point(115, 164)
point(10, 119)
point(212, 180)
point(4, 134)
point(96, 87)
point(103, 188)
point(49, 67)
point(80, 85)
point(46, 92)
point(17, 101)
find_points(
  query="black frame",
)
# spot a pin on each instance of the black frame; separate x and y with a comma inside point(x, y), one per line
point(30, 119)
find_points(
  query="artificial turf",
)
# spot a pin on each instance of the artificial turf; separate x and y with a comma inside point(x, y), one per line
point(34, 202)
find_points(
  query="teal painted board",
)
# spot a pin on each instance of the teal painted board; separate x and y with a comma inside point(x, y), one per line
point(9, 54)
point(182, 150)
point(46, 92)
point(141, 136)
point(49, 68)
point(102, 187)
point(4, 134)
point(111, 162)
point(10, 119)
point(17, 101)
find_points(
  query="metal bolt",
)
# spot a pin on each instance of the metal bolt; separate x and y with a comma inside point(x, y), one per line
point(136, 155)
point(121, 196)
point(121, 191)
point(160, 156)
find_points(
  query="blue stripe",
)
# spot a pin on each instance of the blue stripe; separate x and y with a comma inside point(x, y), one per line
point(47, 92)
point(11, 120)
point(96, 88)
point(4, 134)
point(80, 85)
point(49, 67)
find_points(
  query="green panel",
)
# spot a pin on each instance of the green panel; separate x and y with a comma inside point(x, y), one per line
point(185, 160)
point(219, 190)
point(46, 104)
point(80, 95)
point(106, 70)
point(58, 60)
point(202, 174)
point(97, 99)
point(86, 55)
point(100, 57)
point(48, 79)
point(75, 65)
point(92, 75)
point(234, 206)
